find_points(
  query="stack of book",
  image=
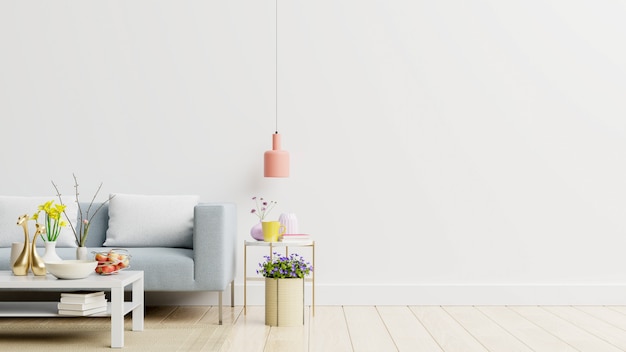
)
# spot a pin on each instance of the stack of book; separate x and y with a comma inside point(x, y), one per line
point(82, 303)
point(290, 237)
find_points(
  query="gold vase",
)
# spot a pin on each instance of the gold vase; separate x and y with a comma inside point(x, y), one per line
point(284, 302)
point(38, 266)
point(22, 263)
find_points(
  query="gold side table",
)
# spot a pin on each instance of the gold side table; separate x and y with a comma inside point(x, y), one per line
point(272, 246)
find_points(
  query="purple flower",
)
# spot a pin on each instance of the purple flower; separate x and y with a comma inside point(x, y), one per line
point(262, 207)
point(278, 266)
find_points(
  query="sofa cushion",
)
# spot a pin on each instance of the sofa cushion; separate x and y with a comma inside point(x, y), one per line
point(13, 207)
point(165, 269)
point(150, 221)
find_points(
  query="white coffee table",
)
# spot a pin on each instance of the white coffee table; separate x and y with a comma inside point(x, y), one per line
point(113, 283)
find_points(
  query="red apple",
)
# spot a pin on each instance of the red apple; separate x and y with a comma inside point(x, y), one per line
point(123, 263)
point(107, 269)
point(114, 257)
point(101, 257)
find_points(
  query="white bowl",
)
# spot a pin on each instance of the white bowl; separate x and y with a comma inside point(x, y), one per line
point(71, 269)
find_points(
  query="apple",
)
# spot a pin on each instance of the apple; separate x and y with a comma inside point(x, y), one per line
point(114, 257)
point(107, 269)
point(123, 263)
point(101, 258)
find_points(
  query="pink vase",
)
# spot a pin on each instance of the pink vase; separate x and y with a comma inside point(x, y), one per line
point(257, 232)
point(290, 222)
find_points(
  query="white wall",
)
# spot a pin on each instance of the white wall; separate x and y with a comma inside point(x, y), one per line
point(442, 152)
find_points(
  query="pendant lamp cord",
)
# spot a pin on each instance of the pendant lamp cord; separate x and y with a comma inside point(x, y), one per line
point(276, 62)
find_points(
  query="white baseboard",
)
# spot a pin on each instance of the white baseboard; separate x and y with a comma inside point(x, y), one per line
point(435, 294)
point(486, 294)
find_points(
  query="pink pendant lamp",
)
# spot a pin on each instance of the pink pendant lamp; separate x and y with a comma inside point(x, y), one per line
point(276, 161)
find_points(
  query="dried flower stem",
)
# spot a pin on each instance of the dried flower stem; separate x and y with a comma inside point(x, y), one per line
point(262, 209)
point(83, 222)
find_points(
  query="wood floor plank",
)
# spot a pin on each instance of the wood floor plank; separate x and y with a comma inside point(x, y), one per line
point(487, 332)
point(328, 330)
point(156, 314)
point(367, 330)
point(566, 331)
point(196, 340)
point(532, 335)
point(593, 325)
point(215, 339)
point(290, 338)
point(345, 329)
point(607, 314)
point(187, 314)
point(249, 333)
point(215, 342)
point(406, 330)
point(621, 309)
point(448, 333)
point(229, 315)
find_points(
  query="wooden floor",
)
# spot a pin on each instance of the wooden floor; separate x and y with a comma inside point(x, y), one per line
point(422, 328)
point(337, 329)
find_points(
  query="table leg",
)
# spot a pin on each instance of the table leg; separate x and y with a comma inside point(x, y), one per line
point(117, 317)
point(138, 303)
point(245, 276)
point(221, 307)
point(232, 293)
point(313, 280)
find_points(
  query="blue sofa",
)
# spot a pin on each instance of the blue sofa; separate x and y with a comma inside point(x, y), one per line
point(208, 266)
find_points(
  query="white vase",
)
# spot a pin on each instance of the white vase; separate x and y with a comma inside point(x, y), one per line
point(290, 222)
point(50, 254)
point(16, 249)
point(81, 253)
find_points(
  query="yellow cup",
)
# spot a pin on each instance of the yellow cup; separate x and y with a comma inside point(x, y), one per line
point(272, 230)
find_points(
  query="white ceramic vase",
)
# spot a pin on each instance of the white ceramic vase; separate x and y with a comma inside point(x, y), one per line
point(16, 249)
point(50, 254)
point(290, 222)
point(81, 253)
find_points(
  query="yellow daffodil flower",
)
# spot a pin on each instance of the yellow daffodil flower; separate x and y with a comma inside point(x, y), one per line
point(53, 222)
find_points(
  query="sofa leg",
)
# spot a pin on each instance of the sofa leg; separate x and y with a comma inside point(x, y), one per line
point(220, 307)
point(232, 293)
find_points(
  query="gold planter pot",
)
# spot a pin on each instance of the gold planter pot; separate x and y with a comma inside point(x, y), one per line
point(284, 302)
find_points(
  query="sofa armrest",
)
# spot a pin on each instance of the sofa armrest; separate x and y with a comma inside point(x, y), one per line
point(214, 245)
